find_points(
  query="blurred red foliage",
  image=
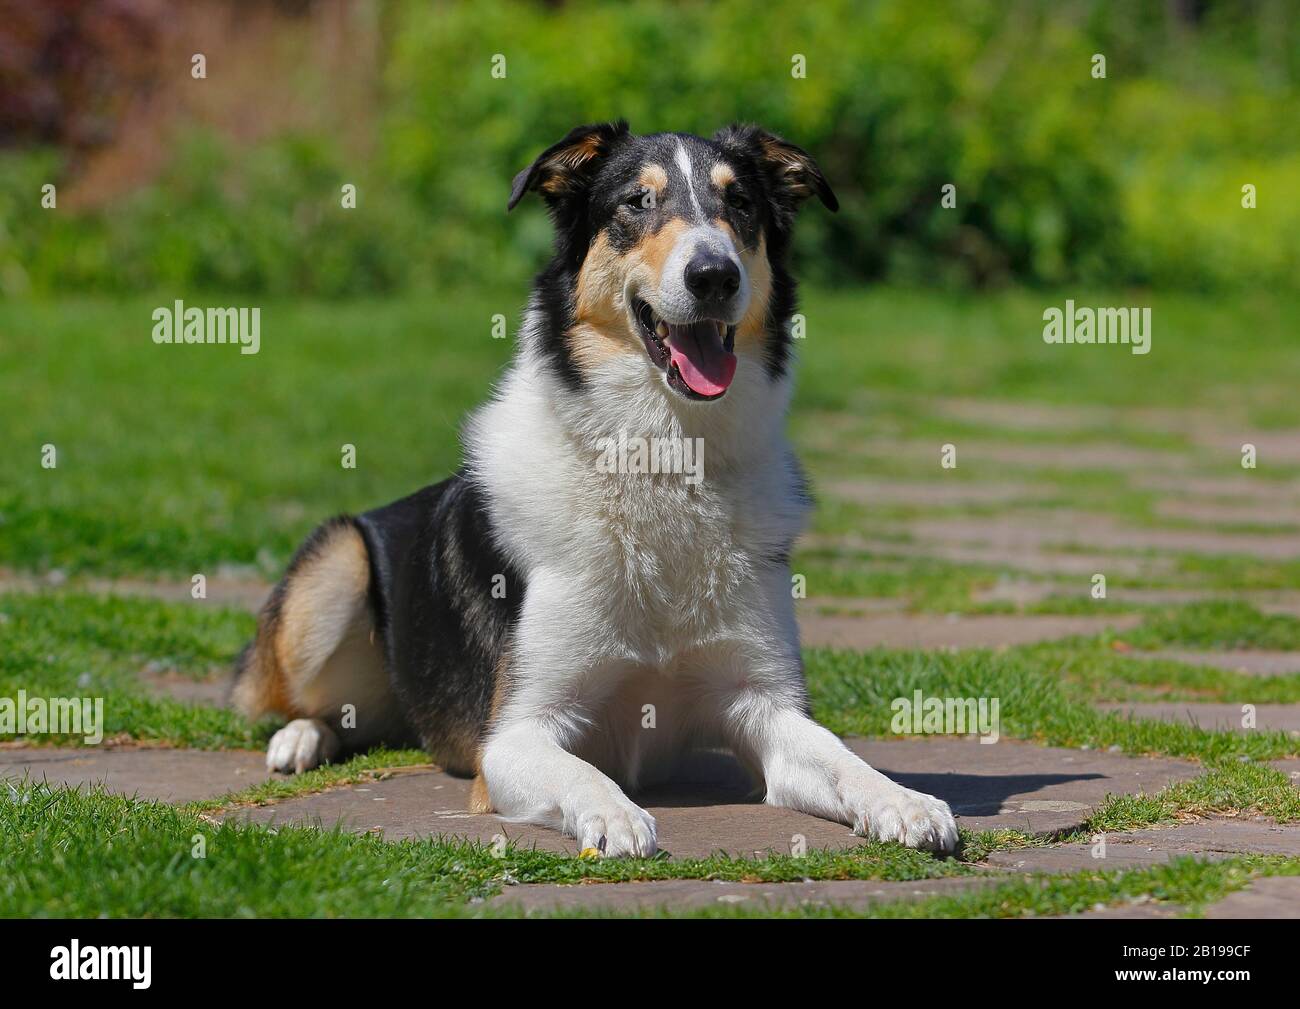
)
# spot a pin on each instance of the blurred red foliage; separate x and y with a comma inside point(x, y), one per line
point(69, 67)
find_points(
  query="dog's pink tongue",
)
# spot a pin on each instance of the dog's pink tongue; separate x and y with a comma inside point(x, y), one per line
point(705, 365)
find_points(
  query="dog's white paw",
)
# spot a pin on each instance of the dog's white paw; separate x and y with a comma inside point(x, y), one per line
point(617, 829)
point(913, 818)
point(301, 745)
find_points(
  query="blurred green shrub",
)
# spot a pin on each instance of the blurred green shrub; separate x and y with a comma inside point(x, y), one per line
point(1060, 177)
point(269, 220)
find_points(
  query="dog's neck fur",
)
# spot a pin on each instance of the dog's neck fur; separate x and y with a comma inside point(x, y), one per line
point(535, 446)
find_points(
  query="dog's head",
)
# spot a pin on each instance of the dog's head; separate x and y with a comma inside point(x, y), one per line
point(670, 247)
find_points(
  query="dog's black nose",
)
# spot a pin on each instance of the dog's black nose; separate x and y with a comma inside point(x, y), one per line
point(712, 277)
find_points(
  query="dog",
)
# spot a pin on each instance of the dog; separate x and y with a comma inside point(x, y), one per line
point(567, 632)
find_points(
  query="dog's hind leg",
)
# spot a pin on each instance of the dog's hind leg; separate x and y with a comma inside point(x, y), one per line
point(315, 659)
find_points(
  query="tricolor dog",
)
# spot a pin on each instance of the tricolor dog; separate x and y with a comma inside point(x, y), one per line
point(567, 631)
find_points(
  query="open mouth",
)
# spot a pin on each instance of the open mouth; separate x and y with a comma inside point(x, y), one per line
point(698, 357)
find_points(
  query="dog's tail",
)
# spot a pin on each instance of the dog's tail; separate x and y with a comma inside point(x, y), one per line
point(318, 612)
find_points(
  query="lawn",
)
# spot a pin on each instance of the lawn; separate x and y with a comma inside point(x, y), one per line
point(175, 461)
point(107, 855)
point(181, 460)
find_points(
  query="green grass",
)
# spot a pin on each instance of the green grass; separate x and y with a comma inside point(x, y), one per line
point(104, 855)
point(107, 855)
point(180, 460)
point(65, 644)
point(1094, 671)
point(78, 645)
point(926, 584)
point(1186, 883)
point(174, 461)
point(1231, 788)
point(852, 693)
point(374, 765)
point(184, 459)
point(1218, 626)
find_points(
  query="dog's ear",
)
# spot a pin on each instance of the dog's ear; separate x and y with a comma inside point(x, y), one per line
point(790, 172)
point(565, 169)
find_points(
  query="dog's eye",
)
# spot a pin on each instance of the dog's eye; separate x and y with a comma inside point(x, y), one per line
point(642, 199)
point(736, 199)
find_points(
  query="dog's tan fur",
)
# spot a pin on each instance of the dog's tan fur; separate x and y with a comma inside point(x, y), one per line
point(602, 329)
point(315, 651)
point(479, 800)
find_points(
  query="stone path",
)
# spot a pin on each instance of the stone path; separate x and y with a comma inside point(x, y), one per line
point(994, 513)
point(1030, 531)
point(1270, 897)
point(1290, 767)
point(1204, 838)
point(152, 773)
point(1277, 717)
point(948, 631)
point(1040, 790)
point(1211, 839)
point(1240, 660)
point(692, 894)
point(222, 590)
point(212, 692)
point(1273, 897)
point(1201, 502)
point(987, 785)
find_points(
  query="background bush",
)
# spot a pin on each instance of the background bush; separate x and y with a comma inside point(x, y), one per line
point(1135, 179)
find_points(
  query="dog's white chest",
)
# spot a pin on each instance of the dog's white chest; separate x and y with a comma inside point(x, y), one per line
point(666, 556)
point(642, 566)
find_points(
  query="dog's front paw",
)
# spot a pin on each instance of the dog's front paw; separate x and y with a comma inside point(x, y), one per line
point(912, 818)
point(618, 829)
point(301, 745)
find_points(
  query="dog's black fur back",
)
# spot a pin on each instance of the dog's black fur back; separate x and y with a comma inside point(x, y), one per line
point(444, 599)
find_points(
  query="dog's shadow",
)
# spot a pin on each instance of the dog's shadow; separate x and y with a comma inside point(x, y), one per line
point(720, 779)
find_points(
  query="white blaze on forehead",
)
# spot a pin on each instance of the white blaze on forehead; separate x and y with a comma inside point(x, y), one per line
point(684, 163)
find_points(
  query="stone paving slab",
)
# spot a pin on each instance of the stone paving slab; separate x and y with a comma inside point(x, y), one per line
point(933, 493)
point(1238, 660)
point(690, 894)
point(1023, 591)
point(1278, 717)
point(849, 606)
point(994, 457)
point(1249, 513)
point(1289, 767)
point(1142, 909)
point(239, 592)
point(1217, 834)
point(152, 773)
point(1211, 838)
point(925, 630)
point(1013, 785)
point(210, 693)
point(1100, 532)
point(1079, 857)
point(1237, 487)
point(1024, 559)
point(1277, 447)
point(1270, 897)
